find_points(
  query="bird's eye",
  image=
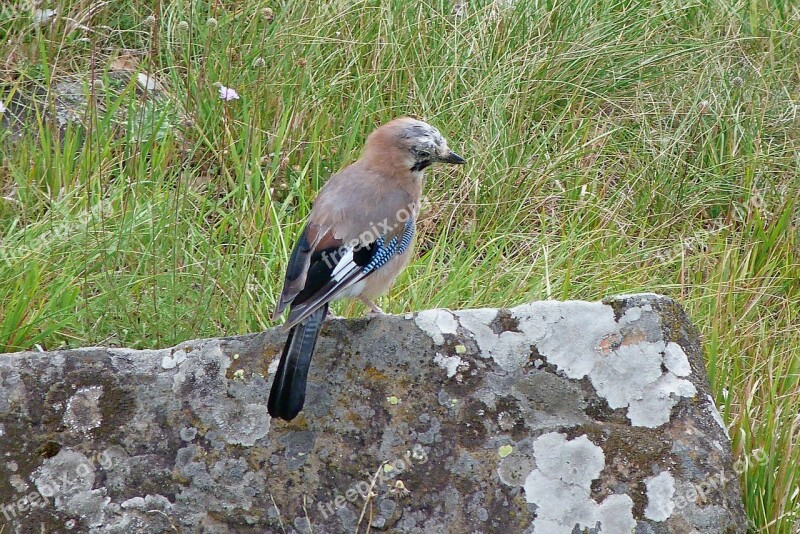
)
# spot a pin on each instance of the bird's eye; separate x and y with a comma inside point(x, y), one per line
point(424, 154)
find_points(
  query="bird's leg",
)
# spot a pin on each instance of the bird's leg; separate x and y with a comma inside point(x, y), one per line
point(371, 305)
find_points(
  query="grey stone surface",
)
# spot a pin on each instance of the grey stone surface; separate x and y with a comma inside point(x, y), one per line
point(551, 417)
point(72, 100)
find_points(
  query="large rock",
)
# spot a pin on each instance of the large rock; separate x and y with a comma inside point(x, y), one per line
point(549, 417)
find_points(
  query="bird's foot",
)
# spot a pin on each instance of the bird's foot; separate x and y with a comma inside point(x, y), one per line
point(376, 310)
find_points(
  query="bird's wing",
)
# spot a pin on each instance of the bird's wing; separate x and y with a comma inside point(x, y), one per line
point(314, 246)
point(344, 268)
point(358, 216)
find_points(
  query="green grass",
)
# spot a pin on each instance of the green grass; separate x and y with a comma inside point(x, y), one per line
point(614, 146)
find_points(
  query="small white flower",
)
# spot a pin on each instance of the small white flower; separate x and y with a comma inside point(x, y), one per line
point(212, 22)
point(227, 93)
point(150, 20)
point(259, 62)
point(183, 26)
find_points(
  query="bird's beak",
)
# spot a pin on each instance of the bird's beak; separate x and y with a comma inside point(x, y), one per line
point(453, 158)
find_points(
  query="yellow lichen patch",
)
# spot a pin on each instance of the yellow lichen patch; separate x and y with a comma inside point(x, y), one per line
point(373, 374)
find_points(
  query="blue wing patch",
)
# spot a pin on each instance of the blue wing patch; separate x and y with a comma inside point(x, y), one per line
point(386, 251)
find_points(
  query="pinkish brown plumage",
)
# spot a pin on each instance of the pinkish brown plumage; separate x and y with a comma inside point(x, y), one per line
point(358, 238)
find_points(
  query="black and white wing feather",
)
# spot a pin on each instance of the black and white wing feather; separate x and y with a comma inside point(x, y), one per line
point(333, 271)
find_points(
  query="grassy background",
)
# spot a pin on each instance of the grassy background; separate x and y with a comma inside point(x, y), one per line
point(613, 145)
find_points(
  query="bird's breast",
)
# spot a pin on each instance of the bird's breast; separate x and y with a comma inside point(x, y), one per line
point(380, 281)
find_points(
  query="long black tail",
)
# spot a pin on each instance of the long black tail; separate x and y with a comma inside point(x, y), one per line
point(288, 391)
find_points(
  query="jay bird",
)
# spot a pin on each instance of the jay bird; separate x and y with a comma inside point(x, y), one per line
point(357, 239)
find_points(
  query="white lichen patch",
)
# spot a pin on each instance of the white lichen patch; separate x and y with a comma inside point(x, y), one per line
point(436, 323)
point(628, 376)
point(19, 485)
point(134, 503)
point(676, 361)
point(82, 413)
point(560, 487)
point(68, 478)
point(572, 335)
point(660, 490)
point(631, 315)
point(204, 372)
point(64, 475)
point(242, 424)
point(188, 433)
point(510, 350)
point(655, 405)
point(448, 363)
point(170, 361)
point(627, 372)
point(477, 323)
point(625, 363)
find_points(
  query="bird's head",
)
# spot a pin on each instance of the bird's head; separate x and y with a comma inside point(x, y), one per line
point(415, 144)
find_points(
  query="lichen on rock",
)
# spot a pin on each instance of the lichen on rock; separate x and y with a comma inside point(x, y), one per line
point(546, 417)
